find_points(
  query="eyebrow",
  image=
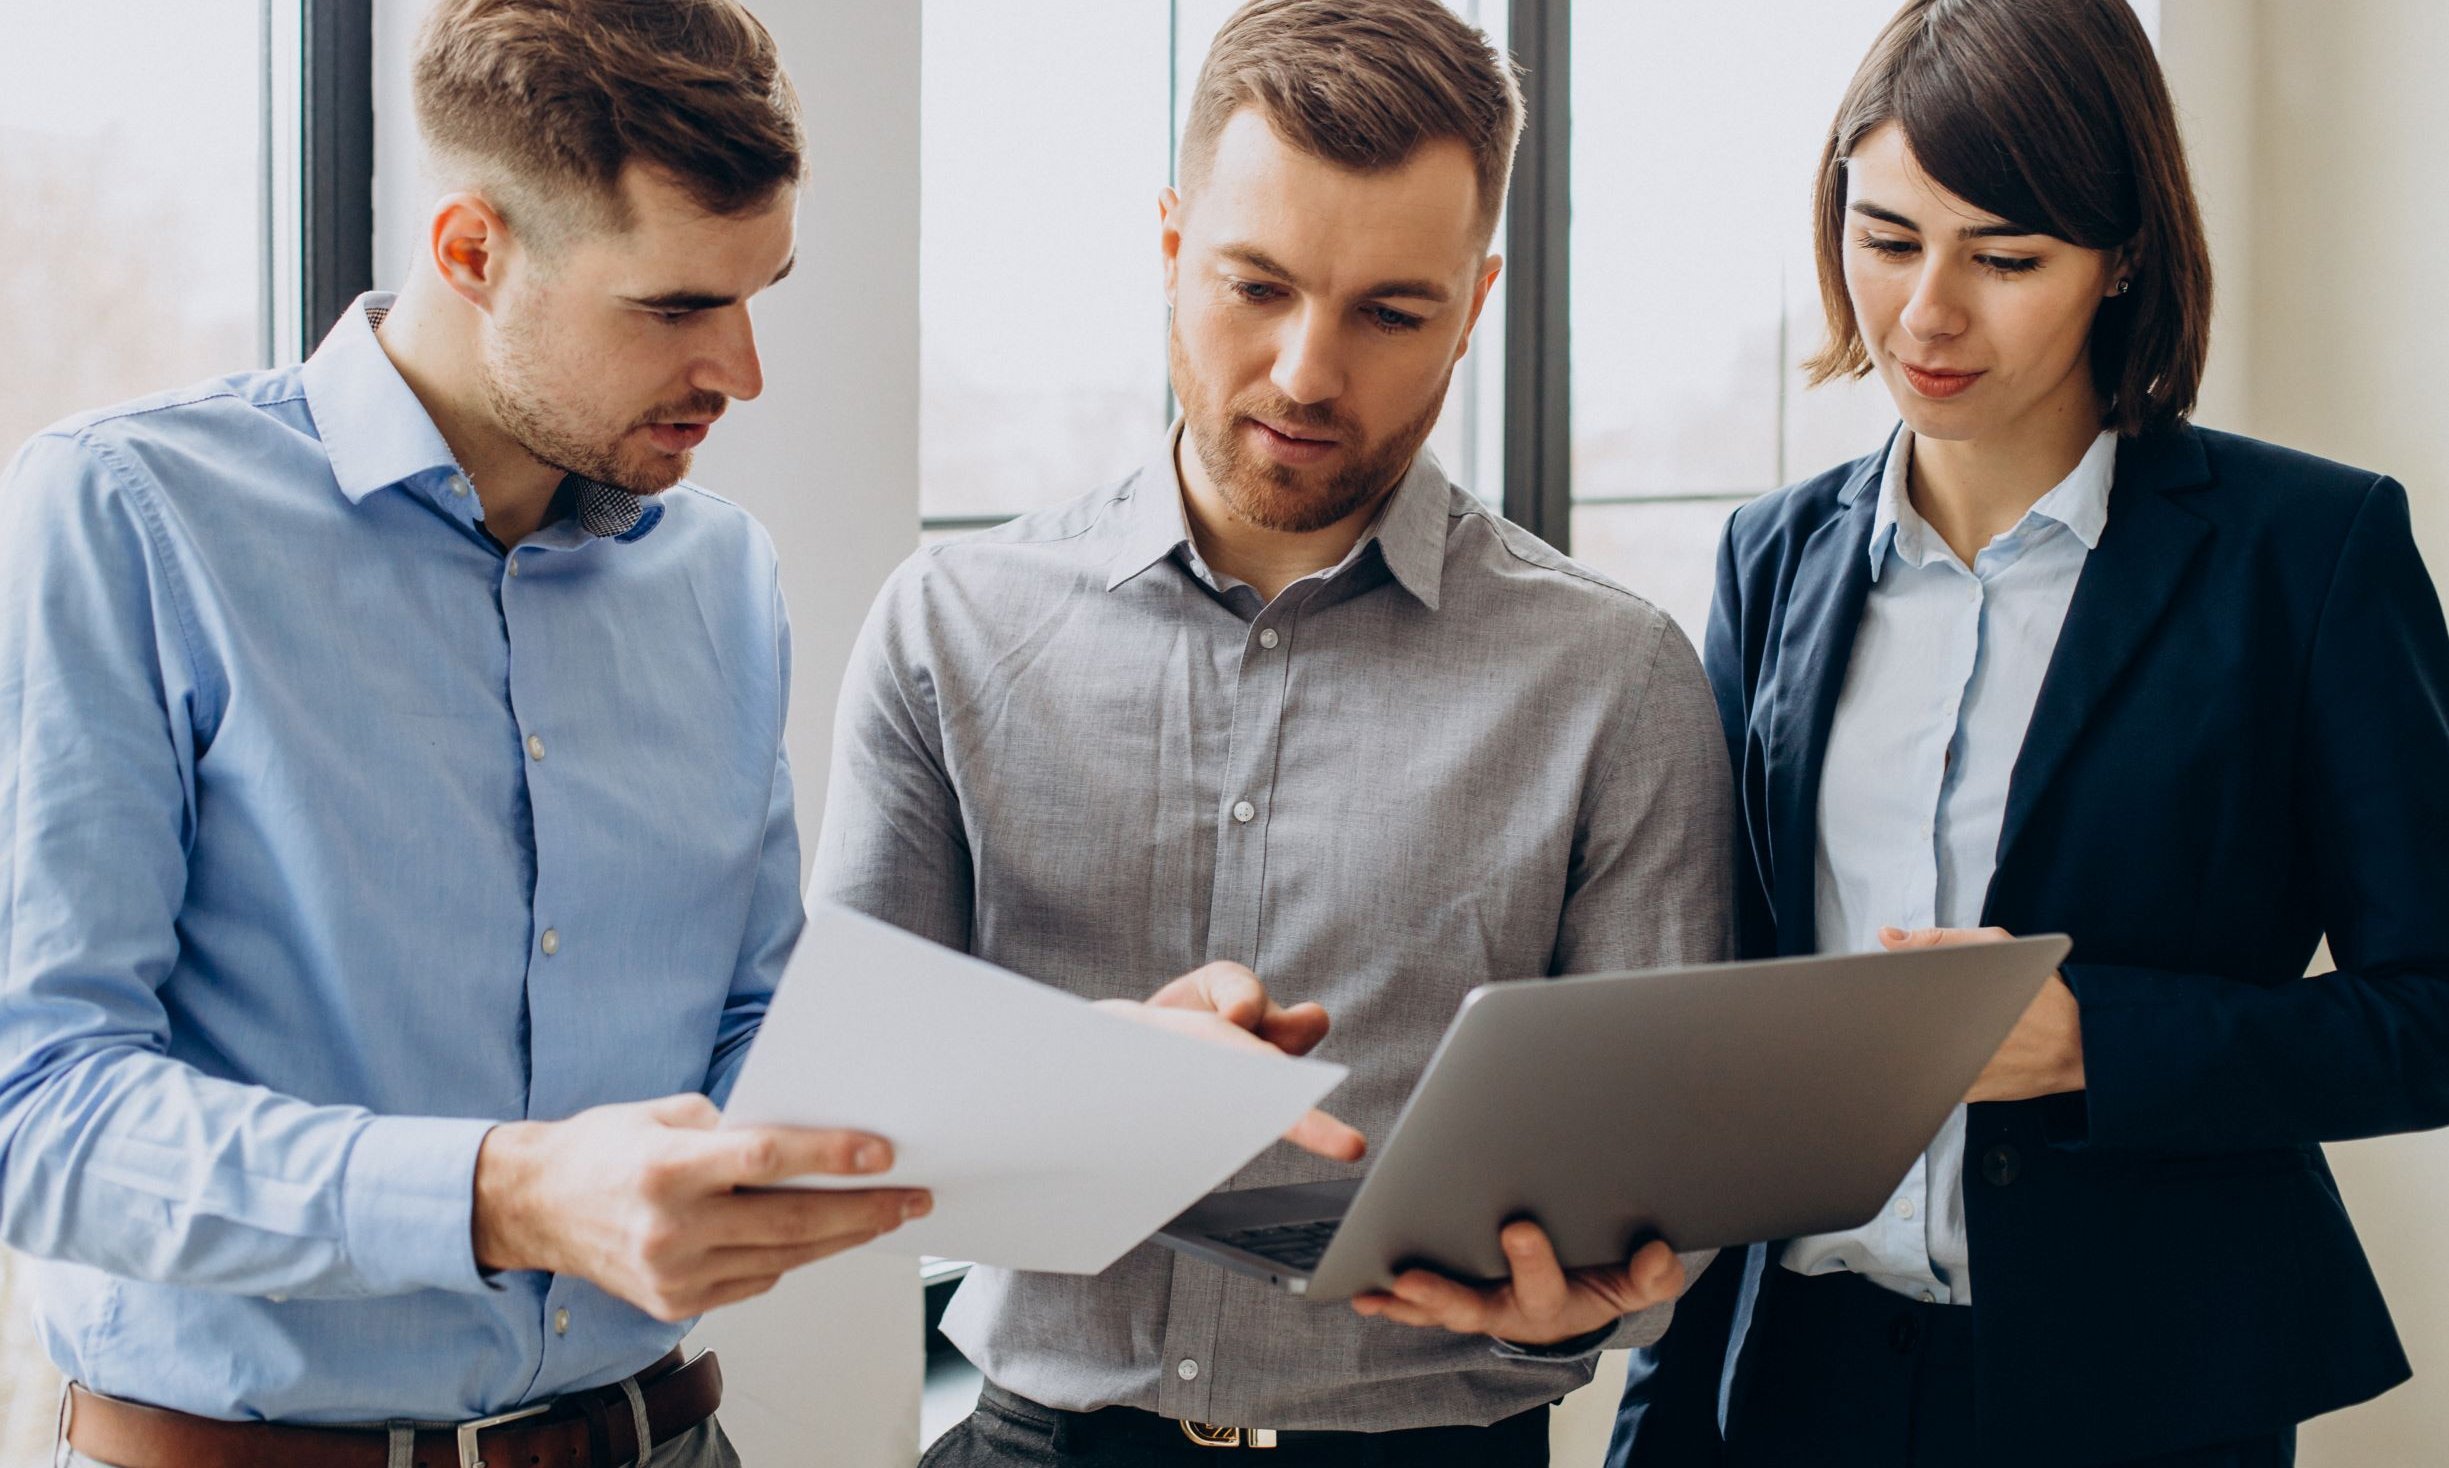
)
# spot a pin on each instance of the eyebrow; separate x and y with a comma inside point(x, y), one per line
point(1266, 264)
point(1969, 232)
point(688, 300)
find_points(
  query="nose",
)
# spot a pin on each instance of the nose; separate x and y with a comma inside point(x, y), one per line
point(732, 368)
point(1308, 367)
point(1933, 312)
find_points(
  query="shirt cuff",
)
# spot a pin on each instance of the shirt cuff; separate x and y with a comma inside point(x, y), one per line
point(408, 1203)
point(1571, 1348)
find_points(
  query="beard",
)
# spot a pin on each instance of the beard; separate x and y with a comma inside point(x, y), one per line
point(1276, 496)
point(512, 378)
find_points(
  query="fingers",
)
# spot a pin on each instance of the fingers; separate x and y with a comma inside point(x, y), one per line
point(688, 1109)
point(1539, 1281)
point(1389, 1307)
point(1235, 993)
point(1295, 1031)
point(759, 1156)
point(1894, 939)
point(1422, 1298)
point(1327, 1137)
point(1656, 1274)
point(1223, 988)
point(798, 1218)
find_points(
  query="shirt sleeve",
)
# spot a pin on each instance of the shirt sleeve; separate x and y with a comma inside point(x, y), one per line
point(1651, 882)
point(112, 1153)
point(775, 914)
point(2195, 1062)
point(894, 846)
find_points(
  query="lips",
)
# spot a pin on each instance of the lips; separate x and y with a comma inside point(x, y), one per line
point(1933, 382)
point(677, 438)
point(1289, 448)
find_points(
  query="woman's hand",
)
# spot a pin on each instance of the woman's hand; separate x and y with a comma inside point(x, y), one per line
point(2043, 1054)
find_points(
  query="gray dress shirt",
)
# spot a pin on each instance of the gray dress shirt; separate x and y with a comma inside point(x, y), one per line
point(1456, 757)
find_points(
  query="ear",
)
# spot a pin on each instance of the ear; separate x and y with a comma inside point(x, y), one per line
point(1169, 237)
point(2124, 261)
point(1490, 269)
point(470, 247)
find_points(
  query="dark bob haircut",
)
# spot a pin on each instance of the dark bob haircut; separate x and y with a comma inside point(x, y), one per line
point(2053, 115)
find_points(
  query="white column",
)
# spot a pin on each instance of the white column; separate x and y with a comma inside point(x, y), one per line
point(2315, 132)
point(826, 1370)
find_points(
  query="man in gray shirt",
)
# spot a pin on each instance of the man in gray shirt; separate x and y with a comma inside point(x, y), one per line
point(1287, 697)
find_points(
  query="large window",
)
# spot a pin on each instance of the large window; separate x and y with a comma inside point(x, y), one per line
point(1686, 265)
point(1696, 135)
point(132, 163)
point(182, 194)
point(1041, 299)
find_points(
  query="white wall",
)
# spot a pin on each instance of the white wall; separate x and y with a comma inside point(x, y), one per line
point(826, 1369)
point(2318, 133)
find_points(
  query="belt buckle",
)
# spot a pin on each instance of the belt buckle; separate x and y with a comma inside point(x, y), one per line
point(466, 1431)
point(1208, 1435)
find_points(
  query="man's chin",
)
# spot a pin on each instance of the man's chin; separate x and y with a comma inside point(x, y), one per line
point(650, 474)
point(1292, 509)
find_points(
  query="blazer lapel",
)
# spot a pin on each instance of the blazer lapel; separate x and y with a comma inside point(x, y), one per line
point(2127, 584)
point(1832, 579)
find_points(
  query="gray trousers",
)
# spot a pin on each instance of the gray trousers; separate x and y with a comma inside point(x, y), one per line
point(703, 1446)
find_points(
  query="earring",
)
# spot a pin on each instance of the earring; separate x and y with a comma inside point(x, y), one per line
point(2125, 285)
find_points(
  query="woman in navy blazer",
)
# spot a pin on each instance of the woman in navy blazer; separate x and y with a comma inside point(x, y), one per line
point(2055, 660)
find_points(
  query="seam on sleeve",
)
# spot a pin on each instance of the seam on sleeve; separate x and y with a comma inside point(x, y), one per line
point(140, 493)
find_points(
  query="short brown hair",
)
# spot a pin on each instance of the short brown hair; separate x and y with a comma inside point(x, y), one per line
point(552, 99)
point(2053, 115)
point(1363, 84)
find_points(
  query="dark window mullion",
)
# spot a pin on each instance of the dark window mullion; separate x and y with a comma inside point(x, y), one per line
point(336, 207)
point(1538, 360)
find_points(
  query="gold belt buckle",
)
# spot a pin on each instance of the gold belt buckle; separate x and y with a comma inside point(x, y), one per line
point(1208, 1435)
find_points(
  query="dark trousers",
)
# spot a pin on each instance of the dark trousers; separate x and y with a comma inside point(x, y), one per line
point(1840, 1373)
point(1009, 1431)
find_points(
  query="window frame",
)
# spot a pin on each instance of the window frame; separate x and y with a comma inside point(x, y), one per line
point(335, 163)
point(1538, 417)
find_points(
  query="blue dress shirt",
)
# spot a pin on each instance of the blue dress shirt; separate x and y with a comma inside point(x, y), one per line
point(1946, 669)
point(331, 834)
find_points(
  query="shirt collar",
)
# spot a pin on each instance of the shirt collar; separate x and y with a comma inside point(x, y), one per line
point(1409, 531)
point(2080, 502)
point(378, 435)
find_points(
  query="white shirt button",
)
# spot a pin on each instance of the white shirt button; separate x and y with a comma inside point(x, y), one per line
point(1243, 810)
point(514, 565)
point(550, 942)
point(1929, 1299)
point(1187, 1369)
point(561, 1321)
point(1269, 638)
point(535, 746)
point(459, 484)
point(1904, 1207)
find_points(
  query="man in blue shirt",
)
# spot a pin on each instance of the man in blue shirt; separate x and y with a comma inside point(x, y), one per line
point(396, 838)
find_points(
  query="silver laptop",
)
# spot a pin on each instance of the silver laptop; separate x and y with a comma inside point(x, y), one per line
point(1709, 1106)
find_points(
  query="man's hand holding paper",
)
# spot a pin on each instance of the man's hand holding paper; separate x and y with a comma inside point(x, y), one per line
point(1051, 1135)
point(1226, 1004)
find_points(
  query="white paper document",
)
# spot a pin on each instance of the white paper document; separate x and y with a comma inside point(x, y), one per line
point(1054, 1135)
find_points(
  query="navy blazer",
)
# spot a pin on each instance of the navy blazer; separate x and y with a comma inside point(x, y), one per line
point(2241, 745)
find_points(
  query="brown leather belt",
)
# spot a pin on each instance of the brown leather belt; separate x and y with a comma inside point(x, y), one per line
point(589, 1429)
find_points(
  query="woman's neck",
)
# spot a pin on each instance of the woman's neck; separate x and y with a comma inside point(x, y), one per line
point(1973, 490)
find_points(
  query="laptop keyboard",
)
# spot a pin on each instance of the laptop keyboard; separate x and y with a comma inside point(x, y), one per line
point(1294, 1245)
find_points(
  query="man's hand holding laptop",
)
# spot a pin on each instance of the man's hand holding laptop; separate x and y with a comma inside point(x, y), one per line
point(1543, 1303)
